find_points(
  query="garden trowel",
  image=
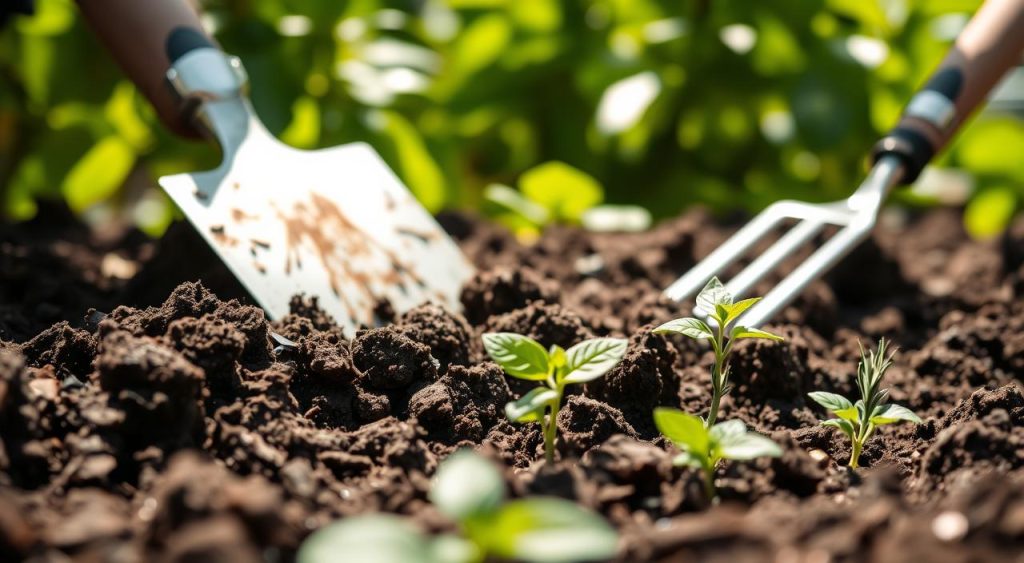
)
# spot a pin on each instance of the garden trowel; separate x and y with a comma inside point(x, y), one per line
point(990, 45)
point(333, 223)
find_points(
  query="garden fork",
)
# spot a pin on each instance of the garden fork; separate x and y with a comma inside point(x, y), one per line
point(989, 45)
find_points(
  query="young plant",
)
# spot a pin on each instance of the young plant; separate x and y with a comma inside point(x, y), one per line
point(859, 420)
point(524, 358)
point(716, 302)
point(470, 490)
point(704, 447)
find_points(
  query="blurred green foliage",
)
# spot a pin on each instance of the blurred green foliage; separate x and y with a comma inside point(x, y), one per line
point(666, 103)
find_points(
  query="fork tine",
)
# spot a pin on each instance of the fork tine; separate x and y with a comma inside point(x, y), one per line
point(792, 285)
point(691, 282)
point(804, 230)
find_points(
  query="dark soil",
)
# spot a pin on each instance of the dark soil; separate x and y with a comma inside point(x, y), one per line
point(146, 415)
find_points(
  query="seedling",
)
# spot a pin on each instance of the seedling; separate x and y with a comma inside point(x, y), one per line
point(524, 358)
point(704, 447)
point(470, 490)
point(859, 420)
point(716, 302)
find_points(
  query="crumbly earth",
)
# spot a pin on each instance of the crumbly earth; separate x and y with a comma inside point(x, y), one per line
point(157, 419)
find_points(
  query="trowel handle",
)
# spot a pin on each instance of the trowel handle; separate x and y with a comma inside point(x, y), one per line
point(986, 49)
point(145, 37)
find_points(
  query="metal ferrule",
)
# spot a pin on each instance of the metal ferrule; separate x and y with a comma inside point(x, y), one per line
point(933, 107)
point(213, 87)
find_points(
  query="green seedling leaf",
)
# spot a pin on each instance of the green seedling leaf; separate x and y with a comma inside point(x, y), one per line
point(467, 486)
point(688, 326)
point(550, 530)
point(686, 459)
point(684, 430)
point(888, 414)
point(713, 294)
point(530, 407)
point(734, 311)
point(838, 404)
point(592, 358)
point(556, 356)
point(520, 356)
point(724, 431)
point(831, 401)
point(381, 538)
point(747, 332)
point(451, 549)
point(845, 425)
point(747, 445)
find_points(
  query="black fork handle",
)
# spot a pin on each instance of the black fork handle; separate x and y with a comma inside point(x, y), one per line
point(987, 48)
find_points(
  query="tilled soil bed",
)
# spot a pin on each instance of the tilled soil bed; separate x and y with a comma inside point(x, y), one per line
point(183, 431)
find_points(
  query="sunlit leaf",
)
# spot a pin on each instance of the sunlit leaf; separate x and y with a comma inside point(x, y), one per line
point(550, 530)
point(714, 293)
point(518, 355)
point(687, 326)
point(845, 425)
point(592, 358)
point(467, 485)
point(378, 538)
point(685, 430)
point(415, 163)
point(565, 191)
point(746, 446)
point(304, 130)
point(530, 407)
point(988, 213)
point(888, 414)
point(99, 173)
point(741, 332)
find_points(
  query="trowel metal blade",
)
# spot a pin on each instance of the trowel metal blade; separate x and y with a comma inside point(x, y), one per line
point(333, 223)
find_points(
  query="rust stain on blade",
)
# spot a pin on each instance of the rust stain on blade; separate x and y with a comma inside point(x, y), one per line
point(338, 243)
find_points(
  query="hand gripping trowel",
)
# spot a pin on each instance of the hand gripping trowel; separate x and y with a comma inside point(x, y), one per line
point(333, 223)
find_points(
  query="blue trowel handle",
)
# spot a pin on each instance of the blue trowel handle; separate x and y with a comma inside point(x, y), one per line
point(146, 37)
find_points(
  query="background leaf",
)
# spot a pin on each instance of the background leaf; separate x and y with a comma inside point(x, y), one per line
point(375, 538)
point(563, 190)
point(684, 430)
point(467, 485)
point(550, 530)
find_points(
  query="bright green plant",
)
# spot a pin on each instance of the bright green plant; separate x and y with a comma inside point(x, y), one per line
point(524, 358)
point(704, 447)
point(555, 192)
point(859, 420)
point(717, 303)
point(470, 490)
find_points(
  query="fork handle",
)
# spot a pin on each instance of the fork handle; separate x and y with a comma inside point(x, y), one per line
point(986, 49)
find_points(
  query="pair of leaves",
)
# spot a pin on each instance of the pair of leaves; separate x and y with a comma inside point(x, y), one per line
point(470, 489)
point(703, 447)
point(717, 302)
point(849, 413)
point(699, 330)
point(524, 358)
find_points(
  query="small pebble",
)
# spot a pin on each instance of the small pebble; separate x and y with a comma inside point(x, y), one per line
point(950, 526)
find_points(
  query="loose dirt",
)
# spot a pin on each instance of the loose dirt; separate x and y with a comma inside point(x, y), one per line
point(147, 412)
